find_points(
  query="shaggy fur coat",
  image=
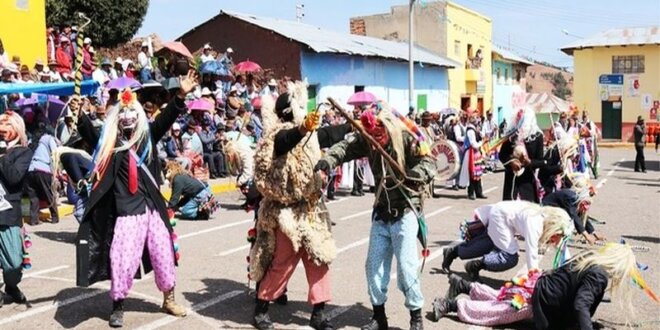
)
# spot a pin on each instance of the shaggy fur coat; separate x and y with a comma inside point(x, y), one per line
point(291, 193)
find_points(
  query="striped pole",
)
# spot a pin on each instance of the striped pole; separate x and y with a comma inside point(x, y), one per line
point(78, 66)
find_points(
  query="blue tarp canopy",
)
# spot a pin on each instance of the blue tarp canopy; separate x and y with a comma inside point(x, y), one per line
point(59, 89)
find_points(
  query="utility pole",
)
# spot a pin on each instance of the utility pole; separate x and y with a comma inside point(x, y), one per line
point(411, 62)
point(300, 12)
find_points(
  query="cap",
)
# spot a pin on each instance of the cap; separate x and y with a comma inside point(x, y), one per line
point(229, 50)
point(207, 46)
point(39, 62)
point(119, 60)
point(87, 41)
point(106, 61)
point(145, 44)
point(64, 39)
point(176, 127)
point(74, 27)
point(272, 82)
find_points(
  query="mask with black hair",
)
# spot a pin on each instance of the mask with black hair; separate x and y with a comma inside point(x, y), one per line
point(283, 108)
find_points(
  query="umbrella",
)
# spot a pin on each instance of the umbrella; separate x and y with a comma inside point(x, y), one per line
point(247, 66)
point(151, 84)
point(213, 67)
point(177, 47)
point(200, 105)
point(361, 98)
point(123, 82)
point(171, 83)
point(61, 89)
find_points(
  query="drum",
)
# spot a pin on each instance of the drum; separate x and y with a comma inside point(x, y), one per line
point(447, 160)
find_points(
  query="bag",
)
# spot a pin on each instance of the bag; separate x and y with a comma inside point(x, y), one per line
point(471, 229)
point(202, 173)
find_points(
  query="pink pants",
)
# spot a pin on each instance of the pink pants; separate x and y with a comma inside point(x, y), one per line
point(484, 309)
point(284, 263)
point(132, 234)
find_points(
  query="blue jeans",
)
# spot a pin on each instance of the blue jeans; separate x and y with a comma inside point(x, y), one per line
point(499, 261)
point(398, 239)
point(191, 208)
point(145, 75)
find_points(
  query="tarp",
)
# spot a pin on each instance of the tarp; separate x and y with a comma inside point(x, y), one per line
point(60, 89)
point(547, 103)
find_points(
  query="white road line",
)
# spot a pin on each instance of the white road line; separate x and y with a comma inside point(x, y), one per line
point(616, 167)
point(195, 308)
point(45, 271)
point(232, 251)
point(338, 311)
point(212, 229)
point(436, 212)
point(54, 305)
point(434, 255)
point(601, 183)
point(355, 215)
point(52, 278)
point(490, 189)
point(352, 245)
point(336, 201)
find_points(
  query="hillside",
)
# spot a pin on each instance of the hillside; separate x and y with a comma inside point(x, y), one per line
point(536, 83)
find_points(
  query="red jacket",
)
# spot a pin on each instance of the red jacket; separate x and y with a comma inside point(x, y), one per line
point(63, 61)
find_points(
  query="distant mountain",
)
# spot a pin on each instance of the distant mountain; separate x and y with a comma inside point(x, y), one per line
point(539, 79)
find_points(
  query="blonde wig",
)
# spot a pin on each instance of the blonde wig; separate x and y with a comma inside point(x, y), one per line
point(16, 121)
point(395, 129)
point(555, 222)
point(59, 151)
point(618, 261)
point(232, 155)
point(172, 169)
point(139, 140)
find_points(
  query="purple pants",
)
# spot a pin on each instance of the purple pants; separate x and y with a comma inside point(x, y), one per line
point(132, 234)
point(484, 309)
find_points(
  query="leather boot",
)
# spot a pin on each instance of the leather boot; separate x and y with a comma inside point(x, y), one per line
point(170, 306)
point(378, 320)
point(470, 191)
point(117, 315)
point(457, 285)
point(16, 295)
point(416, 322)
point(318, 320)
point(448, 255)
point(442, 307)
point(472, 269)
point(478, 190)
point(261, 319)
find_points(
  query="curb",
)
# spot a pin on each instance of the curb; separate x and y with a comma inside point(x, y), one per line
point(67, 209)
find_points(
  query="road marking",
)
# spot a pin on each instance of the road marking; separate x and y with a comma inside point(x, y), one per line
point(436, 212)
point(490, 189)
point(355, 215)
point(337, 201)
point(195, 308)
point(352, 245)
point(41, 272)
point(52, 278)
point(616, 167)
point(338, 311)
point(232, 251)
point(212, 229)
point(601, 183)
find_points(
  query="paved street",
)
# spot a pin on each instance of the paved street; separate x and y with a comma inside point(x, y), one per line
point(212, 279)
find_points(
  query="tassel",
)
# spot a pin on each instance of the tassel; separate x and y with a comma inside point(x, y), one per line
point(132, 175)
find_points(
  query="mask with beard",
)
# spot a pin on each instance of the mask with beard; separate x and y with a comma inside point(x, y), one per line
point(7, 130)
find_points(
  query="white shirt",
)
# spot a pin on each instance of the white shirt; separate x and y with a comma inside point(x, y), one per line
point(488, 128)
point(101, 76)
point(143, 60)
point(506, 219)
point(4, 60)
point(459, 132)
point(207, 58)
point(472, 138)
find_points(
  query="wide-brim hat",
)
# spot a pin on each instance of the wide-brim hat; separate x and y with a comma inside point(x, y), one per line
point(427, 115)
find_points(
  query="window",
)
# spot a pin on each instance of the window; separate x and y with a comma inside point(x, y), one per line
point(469, 51)
point(358, 88)
point(518, 75)
point(22, 4)
point(457, 47)
point(498, 73)
point(628, 64)
point(506, 76)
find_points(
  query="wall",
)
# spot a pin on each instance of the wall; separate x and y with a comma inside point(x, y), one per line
point(591, 63)
point(23, 31)
point(337, 75)
point(248, 41)
point(429, 25)
point(468, 27)
point(502, 91)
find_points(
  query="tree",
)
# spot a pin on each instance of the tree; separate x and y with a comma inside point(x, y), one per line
point(560, 84)
point(112, 22)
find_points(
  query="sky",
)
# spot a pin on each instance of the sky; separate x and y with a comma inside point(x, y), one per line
point(530, 28)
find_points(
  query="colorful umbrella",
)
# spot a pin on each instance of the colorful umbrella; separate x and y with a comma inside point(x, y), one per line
point(177, 47)
point(247, 66)
point(200, 105)
point(362, 98)
point(122, 83)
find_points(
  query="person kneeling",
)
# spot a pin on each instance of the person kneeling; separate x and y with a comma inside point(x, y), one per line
point(190, 197)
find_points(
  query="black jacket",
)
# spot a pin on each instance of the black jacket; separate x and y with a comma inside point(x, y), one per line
point(567, 200)
point(102, 209)
point(565, 298)
point(524, 184)
point(285, 140)
point(550, 170)
point(13, 169)
point(184, 187)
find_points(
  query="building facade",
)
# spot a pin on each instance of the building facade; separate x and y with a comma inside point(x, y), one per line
point(450, 30)
point(508, 76)
point(23, 29)
point(617, 78)
point(334, 64)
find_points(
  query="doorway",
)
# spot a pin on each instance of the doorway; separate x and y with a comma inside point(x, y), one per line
point(465, 103)
point(480, 106)
point(611, 119)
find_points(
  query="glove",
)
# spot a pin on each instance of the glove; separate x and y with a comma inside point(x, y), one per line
point(312, 121)
point(323, 166)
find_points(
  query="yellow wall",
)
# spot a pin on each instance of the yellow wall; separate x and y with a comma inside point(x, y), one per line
point(23, 31)
point(593, 62)
point(468, 27)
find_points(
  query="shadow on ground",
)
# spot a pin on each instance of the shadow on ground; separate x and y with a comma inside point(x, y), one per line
point(651, 165)
point(63, 236)
point(649, 239)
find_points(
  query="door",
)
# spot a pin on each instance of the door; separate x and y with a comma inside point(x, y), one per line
point(611, 117)
point(480, 106)
point(422, 103)
point(465, 103)
point(311, 97)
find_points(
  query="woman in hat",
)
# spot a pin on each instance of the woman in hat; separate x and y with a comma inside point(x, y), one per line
point(472, 160)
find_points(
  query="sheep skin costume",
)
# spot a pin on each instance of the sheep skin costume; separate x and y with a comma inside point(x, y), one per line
point(291, 191)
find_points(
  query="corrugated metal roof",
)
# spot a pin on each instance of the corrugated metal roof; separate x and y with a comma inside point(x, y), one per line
point(509, 55)
point(649, 35)
point(326, 41)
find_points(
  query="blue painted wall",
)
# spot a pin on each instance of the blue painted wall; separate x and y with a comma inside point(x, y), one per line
point(336, 75)
point(502, 91)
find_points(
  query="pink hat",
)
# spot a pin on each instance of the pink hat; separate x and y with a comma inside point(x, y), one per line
point(64, 39)
point(256, 103)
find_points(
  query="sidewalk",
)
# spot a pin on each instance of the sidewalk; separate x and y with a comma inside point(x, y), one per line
point(218, 186)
